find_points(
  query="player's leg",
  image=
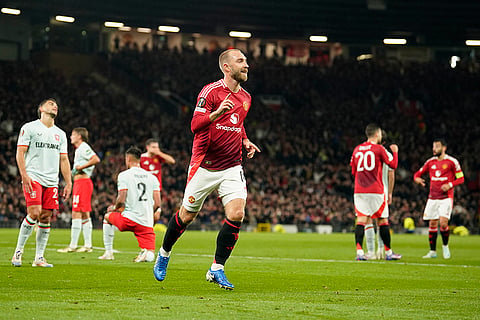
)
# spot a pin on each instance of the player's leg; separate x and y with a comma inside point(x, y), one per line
point(226, 239)
point(85, 207)
point(432, 238)
point(380, 245)
point(431, 215)
point(359, 235)
point(34, 207)
point(108, 236)
point(370, 239)
point(75, 230)
point(198, 188)
point(175, 228)
point(43, 233)
point(384, 227)
point(146, 241)
point(445, 232)
point(87, 233)
point(26, 229)
point(233, 192)
point(445, 211)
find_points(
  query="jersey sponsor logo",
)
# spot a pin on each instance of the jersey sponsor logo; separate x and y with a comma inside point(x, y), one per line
point(438, 173)
point(234, 118)
point(191, 199)
point(227, 128)
point(47, 145)
point(439, 178)
point(246, 106)
point(57, 137)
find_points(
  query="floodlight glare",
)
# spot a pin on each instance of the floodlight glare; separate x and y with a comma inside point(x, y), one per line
point(472, 42)
point(394, 41)
point(65, 19)
point(318, 38)
point(125, 28)
point(111, 24)
point(10, 11)
point(239, 34)
point(144, 30)
point(168, 29)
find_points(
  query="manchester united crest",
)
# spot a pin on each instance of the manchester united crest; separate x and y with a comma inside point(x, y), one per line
point(246, 105)
point(191, 199)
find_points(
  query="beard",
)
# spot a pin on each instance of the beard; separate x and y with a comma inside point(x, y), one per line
point(239, 76)
point(436, 154)
point(52, 115)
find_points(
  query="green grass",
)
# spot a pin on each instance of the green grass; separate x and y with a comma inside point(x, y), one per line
point(282, 276)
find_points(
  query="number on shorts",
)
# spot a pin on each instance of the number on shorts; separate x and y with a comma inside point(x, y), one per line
point(76, 200)
point(142, 188)
point(55, 193)
point(366, 161)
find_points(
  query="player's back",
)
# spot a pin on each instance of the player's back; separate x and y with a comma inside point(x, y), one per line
point(140, 185)
point(367, 164)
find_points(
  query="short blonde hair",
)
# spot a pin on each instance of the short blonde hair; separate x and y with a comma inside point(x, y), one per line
point(224, 56)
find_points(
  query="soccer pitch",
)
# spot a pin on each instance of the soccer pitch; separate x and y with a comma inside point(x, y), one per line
point(282, 276)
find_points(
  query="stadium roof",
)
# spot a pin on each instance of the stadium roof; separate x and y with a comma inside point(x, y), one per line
point(428, 22)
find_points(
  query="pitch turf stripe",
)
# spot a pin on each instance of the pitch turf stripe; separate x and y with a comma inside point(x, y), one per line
point(332, 260)
point(292, 259)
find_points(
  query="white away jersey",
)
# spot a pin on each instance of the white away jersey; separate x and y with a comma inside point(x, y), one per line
point(385, 170)
point(140, 185)
point(42, 159)
point(82, 155)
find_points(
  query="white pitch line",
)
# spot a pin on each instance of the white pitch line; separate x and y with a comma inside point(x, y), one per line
point(297, 259)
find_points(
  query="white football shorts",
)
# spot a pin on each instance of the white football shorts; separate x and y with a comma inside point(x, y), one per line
point(370, 205)
point(230, 184)
point(437, 208)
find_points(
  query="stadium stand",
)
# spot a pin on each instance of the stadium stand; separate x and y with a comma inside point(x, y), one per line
point(302, 177)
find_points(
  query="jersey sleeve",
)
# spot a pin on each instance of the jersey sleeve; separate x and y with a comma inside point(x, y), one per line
point(63, 143)
point(88, 152)
point(390, 159)
point(201, 114)
point(459, 178)
point(156, 185)
point(352, 163)
point(24, 137)
point(421, 171)
point(122, 182)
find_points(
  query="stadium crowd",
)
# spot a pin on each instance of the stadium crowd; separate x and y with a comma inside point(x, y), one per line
point(303, 175)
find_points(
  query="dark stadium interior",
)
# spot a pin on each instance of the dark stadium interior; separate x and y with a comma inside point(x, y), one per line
point(430, 22)
point(302, 177)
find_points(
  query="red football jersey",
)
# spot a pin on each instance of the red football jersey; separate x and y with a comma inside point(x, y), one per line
point(441, 172)
point(367, 163)
point(152, 165)
point(218, 145)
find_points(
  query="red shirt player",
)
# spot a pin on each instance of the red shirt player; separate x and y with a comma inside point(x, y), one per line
point(152, 159)
point(216, 163)
point(369, 195)
point(445, 173)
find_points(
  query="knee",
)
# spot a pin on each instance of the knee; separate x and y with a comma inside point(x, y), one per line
point(186, 216)
point(236, 215)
